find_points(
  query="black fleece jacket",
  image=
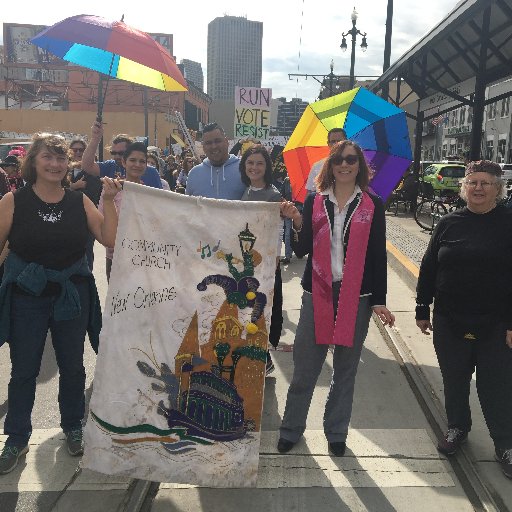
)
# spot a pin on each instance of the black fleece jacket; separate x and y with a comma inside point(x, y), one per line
point(467, 267)
point(375, 267)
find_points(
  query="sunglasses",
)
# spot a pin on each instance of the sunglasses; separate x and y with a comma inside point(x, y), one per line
point(350, 159)
point(114, 153)
point(78, 150)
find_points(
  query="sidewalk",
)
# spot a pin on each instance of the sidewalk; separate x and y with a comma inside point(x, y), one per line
point(391, 463)
point(406, 244)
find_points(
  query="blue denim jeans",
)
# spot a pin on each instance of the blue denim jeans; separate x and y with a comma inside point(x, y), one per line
point(31, 317)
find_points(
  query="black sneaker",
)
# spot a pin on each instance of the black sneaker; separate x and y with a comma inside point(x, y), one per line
point(452, 440)
point(74, 442)
point(10, 456)
point(504, 457)
point(285, 260)
point(284, 446)
point(337, 448)
point(269, 367)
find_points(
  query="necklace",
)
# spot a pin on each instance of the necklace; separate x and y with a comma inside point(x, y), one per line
point(50, 212)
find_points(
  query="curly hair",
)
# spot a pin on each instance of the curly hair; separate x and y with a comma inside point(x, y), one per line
point(325, 178)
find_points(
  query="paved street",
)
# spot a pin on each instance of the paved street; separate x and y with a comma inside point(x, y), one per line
point(391, 461)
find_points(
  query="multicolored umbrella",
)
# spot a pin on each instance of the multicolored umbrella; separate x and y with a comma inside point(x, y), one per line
point(113, 49)
point(377, 126)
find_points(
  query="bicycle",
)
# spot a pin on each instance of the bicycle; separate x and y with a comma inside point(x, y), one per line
point(429, 211)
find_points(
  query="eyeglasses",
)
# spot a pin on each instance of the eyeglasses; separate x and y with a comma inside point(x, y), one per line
point(475, 183)
point(114, 153)
point(350, 159)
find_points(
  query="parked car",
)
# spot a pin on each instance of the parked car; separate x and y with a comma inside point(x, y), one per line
point(439, 178)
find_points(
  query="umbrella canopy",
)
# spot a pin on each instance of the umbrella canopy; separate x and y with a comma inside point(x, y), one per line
point(377, 126)
point(114, 49)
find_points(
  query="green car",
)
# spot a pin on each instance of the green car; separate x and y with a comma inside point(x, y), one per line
point(439, 178)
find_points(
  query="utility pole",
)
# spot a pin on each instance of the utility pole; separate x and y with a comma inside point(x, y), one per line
point(387, 47)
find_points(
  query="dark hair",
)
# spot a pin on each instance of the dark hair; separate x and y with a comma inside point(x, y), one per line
point(325, 178)
point(50, 141)
point(122, 137)
point(78, 140)
point(213, 126)
point(135, 146)
point(155, 157)
point(336, 130)
point(189, 162)
point(256, 150)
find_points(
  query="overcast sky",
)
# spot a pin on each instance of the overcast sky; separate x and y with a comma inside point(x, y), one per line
point(299, 36)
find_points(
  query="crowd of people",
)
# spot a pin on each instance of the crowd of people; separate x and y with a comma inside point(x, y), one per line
point(58, 199)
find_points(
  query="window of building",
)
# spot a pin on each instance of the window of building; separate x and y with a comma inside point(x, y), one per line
point(502, 144)
point(453, 118)
point(491, 110)
point(489, 150)
point(505, 107)
point(445, 151)
point(462, 116)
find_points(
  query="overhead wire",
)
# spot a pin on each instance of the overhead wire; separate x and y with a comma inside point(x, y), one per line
point(300, 48)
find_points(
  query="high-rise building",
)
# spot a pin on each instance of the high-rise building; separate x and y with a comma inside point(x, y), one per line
point(288, 114)
point(193, 72)
point(234, 55)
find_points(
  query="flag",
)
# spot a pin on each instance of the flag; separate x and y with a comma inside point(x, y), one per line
point(438, 119)
point(178, 386)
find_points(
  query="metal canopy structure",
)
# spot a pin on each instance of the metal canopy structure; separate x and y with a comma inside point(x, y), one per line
point(452, 65)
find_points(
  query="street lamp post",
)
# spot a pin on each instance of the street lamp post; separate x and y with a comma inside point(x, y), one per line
point(364, 45)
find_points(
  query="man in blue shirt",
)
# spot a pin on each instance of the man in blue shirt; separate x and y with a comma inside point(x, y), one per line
point(113, 167)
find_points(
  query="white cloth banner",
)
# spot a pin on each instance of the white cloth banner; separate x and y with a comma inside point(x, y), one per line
point(178, 387)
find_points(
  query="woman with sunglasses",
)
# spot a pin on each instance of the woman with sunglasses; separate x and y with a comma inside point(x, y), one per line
point(342, 230)
point(467, 273)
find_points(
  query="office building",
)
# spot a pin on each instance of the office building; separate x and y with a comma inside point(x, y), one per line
point(288, 114)
point(234, 55)
point(193, 72)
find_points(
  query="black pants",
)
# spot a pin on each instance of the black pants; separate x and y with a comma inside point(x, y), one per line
point(276, 320)
point(492, 359)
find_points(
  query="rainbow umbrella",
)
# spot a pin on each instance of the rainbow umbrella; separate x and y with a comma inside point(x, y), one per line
point(113, 49)
point(377, 126)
